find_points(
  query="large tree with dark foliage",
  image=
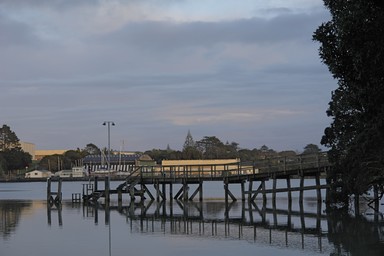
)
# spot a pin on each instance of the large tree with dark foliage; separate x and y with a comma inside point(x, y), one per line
point(352, 46)
point(12, 157)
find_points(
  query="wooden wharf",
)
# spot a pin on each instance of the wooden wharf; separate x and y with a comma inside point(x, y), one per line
point(247, 174)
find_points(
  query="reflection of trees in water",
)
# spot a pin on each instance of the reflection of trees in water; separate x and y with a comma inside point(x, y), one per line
point(355, 235)
point(10, 212)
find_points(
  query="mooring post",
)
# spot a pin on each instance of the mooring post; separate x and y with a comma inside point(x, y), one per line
point(107, 191)
point(201, 191)
point(185, 190)
point(289, 189)
point(226, 192)
point(59, 194)
point(376, 198)
point(242, 190)
point(301, 189)
point(95, 182)
point(157, 185)
point(119, 197)
point(170, 191)
point(318, 187)
point(274, 190)
point(164, 192)
point(264, 193)
point(250, 187)
point(48, 189)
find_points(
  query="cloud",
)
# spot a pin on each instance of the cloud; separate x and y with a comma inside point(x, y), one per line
point(157, 68)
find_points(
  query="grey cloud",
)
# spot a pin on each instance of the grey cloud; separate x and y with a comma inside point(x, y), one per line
point(166, 35)
point(15, 33)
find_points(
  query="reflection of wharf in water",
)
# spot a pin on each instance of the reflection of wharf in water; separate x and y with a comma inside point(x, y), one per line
point(219, 220)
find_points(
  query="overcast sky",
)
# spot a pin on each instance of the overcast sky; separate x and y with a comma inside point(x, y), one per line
point(244, 71)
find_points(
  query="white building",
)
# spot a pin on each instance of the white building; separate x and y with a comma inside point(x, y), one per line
point(76, 172)
point(38, 174)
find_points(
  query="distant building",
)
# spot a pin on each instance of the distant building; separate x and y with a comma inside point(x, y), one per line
point(76, 172)
point(39, 154)
point(118, 162)
point(29, 148)
point(38, 174)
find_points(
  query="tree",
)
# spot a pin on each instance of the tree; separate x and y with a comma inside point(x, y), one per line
point(91, 149)
point(12, 157)
point(352, 46)
point(8, 138)
point(311, 149)
point(16, 159)
point(190, 150)
point(74, 157)
point(211, 147)
point(55, 163)
point(189, 142)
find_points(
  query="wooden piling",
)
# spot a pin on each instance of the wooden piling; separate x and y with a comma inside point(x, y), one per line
point(301, 197)
point(49, 196)
point(170, 191)
point(107, 196)
point(274, 190)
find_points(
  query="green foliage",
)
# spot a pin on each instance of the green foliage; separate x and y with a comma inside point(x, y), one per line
point(55, 163)
point(91, 149)
point(16, 159)
point(8, 138)
point(12, 157)
point(311, 149)
point(352, 46)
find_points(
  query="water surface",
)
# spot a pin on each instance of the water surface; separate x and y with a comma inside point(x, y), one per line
point(30, 226)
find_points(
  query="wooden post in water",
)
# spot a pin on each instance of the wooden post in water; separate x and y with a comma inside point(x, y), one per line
point(250, 187)
point(201, 191)
point(301, 198)
point(376, 198)
point(318, 188)
point(185, 190)
point(59, 195)
point(164, 192)
point(170, 191)
point(274, 190)
point(95, 182)
point(119, 197)
point(107, 191)
point(264, 194)
point(289, 189)
point(242, 190)
point(158, 192)
point(49, 196)
point(226, 192)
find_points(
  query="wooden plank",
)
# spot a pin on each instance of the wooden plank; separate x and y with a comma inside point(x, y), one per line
point(279, 190)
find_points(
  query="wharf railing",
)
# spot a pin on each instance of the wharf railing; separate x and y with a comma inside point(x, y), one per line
point(262, 167)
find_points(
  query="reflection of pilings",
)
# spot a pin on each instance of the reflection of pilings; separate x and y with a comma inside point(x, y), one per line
point(161, 217)
point(58, 208)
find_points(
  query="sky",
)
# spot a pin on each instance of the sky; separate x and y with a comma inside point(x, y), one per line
point(244, 71)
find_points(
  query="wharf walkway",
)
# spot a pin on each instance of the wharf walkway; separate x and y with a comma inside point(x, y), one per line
point(247, 174)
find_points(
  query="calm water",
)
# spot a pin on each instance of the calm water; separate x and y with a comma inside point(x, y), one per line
point(29, 227)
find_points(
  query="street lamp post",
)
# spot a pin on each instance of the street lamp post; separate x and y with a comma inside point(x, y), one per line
point(108, 124)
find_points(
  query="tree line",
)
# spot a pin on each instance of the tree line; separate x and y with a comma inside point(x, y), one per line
point(13, 158)
point(211, 147)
